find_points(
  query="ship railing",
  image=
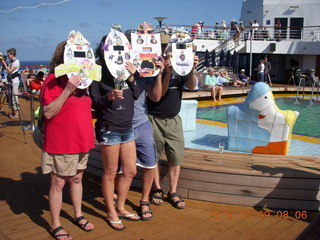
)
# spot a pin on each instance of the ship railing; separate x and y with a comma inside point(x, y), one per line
point(263, 33)
point(315, 85)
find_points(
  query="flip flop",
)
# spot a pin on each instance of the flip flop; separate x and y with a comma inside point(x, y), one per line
point(128, 217)
point(115, 222)
point(56, 230)
point(82, 226)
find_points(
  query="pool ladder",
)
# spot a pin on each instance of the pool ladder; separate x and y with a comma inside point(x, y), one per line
point(303, 83)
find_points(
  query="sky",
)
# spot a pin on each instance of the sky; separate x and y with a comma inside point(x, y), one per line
point(35, 32)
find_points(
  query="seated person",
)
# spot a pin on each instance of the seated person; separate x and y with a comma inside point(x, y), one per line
point(212, 83)
point(30, 78)
point(313, 78)
point(35, 85)
point(244, 78)
point(223, 78)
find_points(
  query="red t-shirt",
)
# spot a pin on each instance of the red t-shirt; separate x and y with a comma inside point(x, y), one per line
point(35, 84)
point(71, 130)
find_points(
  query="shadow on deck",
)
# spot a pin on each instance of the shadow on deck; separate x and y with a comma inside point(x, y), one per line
point(25, 213)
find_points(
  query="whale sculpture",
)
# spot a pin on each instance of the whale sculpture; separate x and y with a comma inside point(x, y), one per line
point(258, 125)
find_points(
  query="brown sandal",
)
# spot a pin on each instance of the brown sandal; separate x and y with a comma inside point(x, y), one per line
point(175, 203)
point(157, 194)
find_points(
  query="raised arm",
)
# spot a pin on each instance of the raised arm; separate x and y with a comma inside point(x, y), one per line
point(191, 82)
point(155, 90)
point(54, 107)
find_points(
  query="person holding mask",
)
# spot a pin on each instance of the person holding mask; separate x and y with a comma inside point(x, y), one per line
point(115, 134)
point(146, 153)
point(68, 138)
point(13, 68)
point(167, 128)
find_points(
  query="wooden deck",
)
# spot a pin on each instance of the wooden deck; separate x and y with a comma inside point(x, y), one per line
point(232, 91)
point(25, 215)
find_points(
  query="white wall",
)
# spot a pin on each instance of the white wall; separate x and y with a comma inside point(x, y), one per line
point(263, 10)
point(284, 47)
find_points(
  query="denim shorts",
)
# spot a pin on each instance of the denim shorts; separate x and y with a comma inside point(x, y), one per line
point(113, 138)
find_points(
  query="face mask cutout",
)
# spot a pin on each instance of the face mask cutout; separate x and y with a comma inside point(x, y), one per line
point(79, 59)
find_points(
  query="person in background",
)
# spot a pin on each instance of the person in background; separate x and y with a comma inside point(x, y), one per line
point(267, 69)
point(194, 31)
point(167, 128)
point(24, 75)
point(255, 30)
point(13, 68)
point(68, 138)
point(115, 135)
point(211, 82)
point(244, 78)
point(3, 70)
point(223, 30)
point(35, 85)
point(277, 29)
point(30, 78)
point(261, 68)
point(233, 25)
point(216, 30)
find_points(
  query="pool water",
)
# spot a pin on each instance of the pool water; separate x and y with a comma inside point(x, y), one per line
point(307, 123)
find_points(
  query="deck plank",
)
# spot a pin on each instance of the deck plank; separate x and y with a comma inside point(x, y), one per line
point(24, 211)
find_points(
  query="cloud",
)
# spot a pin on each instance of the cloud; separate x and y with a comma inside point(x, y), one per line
point(15, 19)
point(84, 25)
point(51, 21)
point(105, 3)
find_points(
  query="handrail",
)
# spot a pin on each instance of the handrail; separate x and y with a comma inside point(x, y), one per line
point(306, 33)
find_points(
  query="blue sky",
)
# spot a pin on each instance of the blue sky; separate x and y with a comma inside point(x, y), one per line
point(36, 32)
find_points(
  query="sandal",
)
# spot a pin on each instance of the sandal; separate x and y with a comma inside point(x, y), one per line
point(58, 236)
point(175, 203)
point(82, 226)
point(111, 224)
point(13, 116)
point(145, 203)
point(157, 194)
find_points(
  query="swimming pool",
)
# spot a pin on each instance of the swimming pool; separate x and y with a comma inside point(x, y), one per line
point(211, 127)
point(307, 123)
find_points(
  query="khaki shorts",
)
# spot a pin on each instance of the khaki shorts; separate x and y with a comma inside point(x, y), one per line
point(168, 136)
point(63, 164)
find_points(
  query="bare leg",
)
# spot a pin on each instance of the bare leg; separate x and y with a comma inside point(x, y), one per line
point(157, 178)
point(128, 160)
point(213, 93)
point(157, 184)
point(220, 90)
point(147, 177)
point(55, 200)
point(76, 189)
point(110, 158)
point(174, 172)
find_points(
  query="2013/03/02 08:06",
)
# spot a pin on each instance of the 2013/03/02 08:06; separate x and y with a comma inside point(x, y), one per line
point(250, 214)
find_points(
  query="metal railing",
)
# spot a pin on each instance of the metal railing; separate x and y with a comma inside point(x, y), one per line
point(264, 33)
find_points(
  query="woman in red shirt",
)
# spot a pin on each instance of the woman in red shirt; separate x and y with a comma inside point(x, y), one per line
point(68, 138)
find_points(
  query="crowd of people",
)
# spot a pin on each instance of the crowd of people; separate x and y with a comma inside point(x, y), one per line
point(224, 30)
point(129, 137)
